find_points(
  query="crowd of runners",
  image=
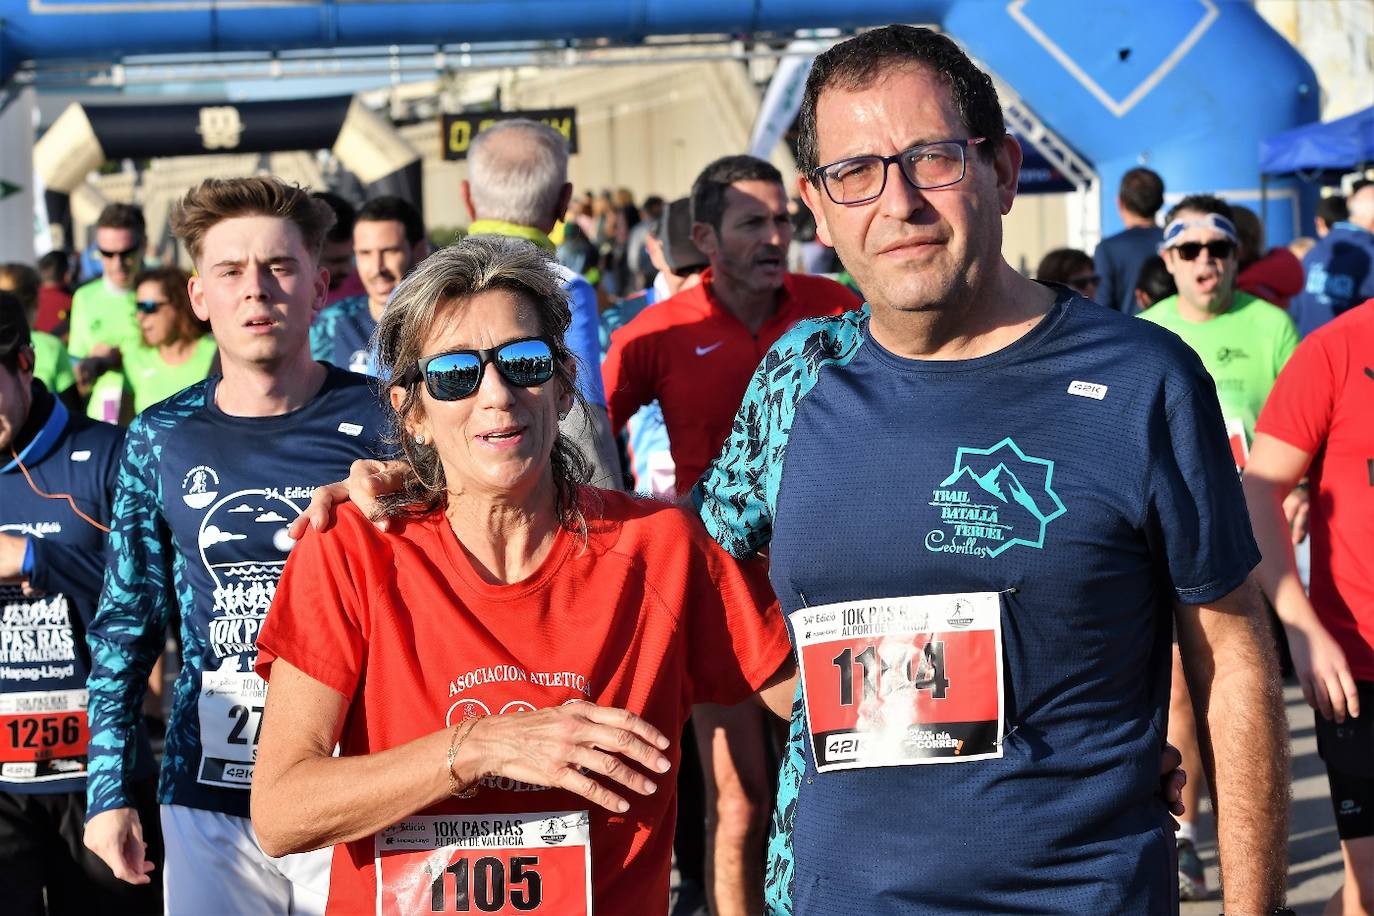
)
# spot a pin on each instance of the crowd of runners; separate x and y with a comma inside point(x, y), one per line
point(885, 591)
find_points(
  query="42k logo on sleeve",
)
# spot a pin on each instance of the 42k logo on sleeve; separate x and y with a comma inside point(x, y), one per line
point(993, 499)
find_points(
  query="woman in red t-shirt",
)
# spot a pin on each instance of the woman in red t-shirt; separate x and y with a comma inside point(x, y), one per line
point(499, 668)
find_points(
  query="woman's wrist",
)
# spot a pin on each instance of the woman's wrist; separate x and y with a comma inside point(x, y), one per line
point(462, 769)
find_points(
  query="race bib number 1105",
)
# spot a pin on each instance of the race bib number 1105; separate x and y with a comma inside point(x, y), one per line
point(901, 681)
point(506, 864)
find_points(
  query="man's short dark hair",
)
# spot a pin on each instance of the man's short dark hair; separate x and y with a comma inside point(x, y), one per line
point(123, 216)
point(708, 191)
point(14, 330)
point(855, 64)
point(1142, 192)
point(1201, 203)
point(1154, 280)
point(394, 210)
point(344, 215)
point(1332, 210)
point(53, 266)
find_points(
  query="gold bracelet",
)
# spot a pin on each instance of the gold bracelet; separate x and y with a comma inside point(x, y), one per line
point(453, 788)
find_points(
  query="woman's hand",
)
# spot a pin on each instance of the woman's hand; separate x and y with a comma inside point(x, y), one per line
point(559, 746)
point(367, 480)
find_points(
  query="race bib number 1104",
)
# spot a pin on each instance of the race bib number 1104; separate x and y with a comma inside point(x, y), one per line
point(902, 681)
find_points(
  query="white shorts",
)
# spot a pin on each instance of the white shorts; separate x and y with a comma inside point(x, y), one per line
point(213, 864)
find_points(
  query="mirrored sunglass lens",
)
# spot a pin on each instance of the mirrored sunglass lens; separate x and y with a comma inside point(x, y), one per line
point(934, 165)
point(526, 362)
point(453, 375)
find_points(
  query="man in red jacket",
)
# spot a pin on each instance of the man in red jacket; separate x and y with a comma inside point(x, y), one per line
point(695, 352)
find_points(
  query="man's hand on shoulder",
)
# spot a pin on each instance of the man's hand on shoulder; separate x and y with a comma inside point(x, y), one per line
point(367, 480)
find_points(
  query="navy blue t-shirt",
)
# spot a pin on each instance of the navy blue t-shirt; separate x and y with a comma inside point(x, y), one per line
point(1340, 275)
point(201, 509)
point(1080, 475)
point(44, 660)
point(1118, 259)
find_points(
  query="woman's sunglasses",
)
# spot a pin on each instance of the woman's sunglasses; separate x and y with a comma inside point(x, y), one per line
point(456, 374)
point(148, 306)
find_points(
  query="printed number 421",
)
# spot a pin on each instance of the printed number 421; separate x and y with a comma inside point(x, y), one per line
point(922, 670)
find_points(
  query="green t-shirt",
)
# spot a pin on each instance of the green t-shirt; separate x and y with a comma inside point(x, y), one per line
point(153, 379)
point(1243, 349)
point(51, 364)
point(102, 315)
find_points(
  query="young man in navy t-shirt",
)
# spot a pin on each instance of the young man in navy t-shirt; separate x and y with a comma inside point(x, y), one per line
point(209, 481)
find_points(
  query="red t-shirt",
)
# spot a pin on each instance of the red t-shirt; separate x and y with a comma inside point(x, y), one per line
point(650, 615)
point(54, 309)
point(695, 358)
point(1323, 403)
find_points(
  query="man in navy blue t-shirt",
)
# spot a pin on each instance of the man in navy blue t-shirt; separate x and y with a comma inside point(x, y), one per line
point(986, 503)
point(209, 481)
point(51, 560)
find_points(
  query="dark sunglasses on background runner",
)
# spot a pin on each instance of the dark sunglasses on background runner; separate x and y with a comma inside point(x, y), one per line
point(148, 306)
point(125, 255)
point(1220, 250)
point(456, 374)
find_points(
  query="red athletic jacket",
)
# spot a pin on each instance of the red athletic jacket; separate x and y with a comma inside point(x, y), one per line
point(695, 358)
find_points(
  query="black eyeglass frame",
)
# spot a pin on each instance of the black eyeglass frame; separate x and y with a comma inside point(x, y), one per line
point(818, 173)
point(420, 370)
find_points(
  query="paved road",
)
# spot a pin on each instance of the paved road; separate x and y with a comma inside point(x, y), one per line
point(1314, 852)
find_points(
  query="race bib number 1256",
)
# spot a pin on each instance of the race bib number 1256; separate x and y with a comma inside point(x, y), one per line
point(901, 681)
point(486, 863)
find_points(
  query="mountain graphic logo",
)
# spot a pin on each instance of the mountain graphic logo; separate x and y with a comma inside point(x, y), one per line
point(994, 499)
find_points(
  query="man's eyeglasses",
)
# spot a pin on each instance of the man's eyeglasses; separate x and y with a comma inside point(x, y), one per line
point(1220, 250)
point(456, 374)
point(128, 254)
point(148, 306)
point(925, 167)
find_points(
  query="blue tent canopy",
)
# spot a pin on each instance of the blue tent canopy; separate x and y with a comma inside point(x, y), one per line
point(1340, 145)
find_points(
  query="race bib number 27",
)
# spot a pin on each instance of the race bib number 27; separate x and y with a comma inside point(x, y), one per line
point(505, 864)
point(230, 708)
point(902, 681)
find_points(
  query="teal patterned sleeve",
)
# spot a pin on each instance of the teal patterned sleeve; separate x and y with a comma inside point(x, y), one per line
point(129, 630)
point(322, 334)
point(737, 494)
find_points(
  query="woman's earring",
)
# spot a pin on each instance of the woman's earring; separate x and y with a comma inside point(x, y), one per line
point(419, 438)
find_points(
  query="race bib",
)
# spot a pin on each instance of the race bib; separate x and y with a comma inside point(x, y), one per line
point(486, 863)
point(901, 681)
point(43, 736)
point(230, 709)
point(1240, 446)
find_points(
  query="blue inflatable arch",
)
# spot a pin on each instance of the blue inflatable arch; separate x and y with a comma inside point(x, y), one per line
point(1188, 87)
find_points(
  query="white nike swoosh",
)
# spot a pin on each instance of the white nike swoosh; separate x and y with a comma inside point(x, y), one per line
point(702, 351)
